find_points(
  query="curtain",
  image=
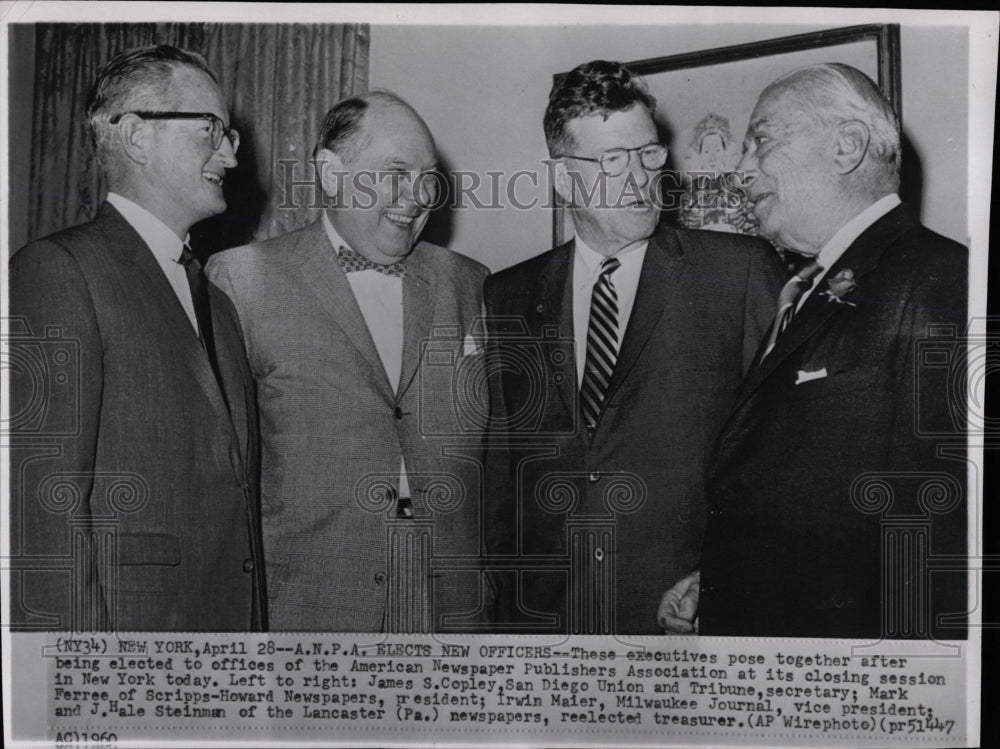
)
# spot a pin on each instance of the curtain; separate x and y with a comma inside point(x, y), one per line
point(278, 80)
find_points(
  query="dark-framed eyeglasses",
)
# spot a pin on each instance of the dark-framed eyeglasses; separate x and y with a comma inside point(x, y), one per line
point(216, 127)
point(615, 161)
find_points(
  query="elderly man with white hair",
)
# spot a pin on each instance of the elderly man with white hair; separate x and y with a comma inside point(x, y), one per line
point(833, 487)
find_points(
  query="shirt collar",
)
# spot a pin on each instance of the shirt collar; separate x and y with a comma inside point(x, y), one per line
point(333, 235)
point(592, 259)
point(164, 244)
point(853, 229)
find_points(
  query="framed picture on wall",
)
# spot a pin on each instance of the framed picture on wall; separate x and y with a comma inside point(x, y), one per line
point(704, 100)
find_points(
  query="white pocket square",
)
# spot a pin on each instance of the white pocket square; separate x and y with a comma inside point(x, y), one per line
point(804, 376)
point(469, 346)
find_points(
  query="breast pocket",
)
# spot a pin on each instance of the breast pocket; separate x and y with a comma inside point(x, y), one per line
point(843, 384)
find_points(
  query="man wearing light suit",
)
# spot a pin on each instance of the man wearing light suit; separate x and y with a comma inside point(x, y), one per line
point(620, 353)
point(839, 478)
point(356, 332)
point(134, 501)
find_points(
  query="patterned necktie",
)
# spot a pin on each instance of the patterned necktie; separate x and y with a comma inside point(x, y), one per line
point(602, 344)
point(352, 261)
point(788, 300)
point(202, 306)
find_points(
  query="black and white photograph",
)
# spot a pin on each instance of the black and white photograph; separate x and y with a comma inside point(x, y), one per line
point(399, 376)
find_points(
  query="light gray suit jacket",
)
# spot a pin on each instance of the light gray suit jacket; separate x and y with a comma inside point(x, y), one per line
point(333, 431)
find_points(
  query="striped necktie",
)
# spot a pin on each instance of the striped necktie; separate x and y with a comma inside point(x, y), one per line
point(602, 345)
point(788, 300)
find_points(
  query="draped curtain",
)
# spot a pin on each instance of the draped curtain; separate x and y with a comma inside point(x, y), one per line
point(278, 81)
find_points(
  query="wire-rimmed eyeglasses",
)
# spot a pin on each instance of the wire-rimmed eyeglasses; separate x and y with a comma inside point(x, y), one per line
point(615, 161)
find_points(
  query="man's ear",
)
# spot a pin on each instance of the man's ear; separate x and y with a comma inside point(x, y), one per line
point(851, 145)
point(563, 183)
point(332, 173)
point(133, 133)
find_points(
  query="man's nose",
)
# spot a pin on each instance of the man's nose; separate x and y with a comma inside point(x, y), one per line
point(401, 188)
point(228, 153)
point(748, 166)
point(639, 173)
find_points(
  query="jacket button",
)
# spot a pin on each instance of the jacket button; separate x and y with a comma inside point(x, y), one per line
point(380, 578)
point(397, 412)
point(594, 476)
point(706, 588)
point(248, 565)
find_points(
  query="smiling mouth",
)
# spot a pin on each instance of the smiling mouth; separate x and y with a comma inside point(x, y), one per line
point(215, 179)
point(402, 220)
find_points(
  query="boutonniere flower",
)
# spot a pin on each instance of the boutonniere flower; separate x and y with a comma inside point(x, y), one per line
point(840, 286)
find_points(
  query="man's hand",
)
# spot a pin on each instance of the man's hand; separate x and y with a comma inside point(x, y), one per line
point(680, 604)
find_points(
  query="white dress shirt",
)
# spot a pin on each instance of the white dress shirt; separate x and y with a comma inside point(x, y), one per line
point(165, 246)
point(837, 244)
point(380, 298)
point(586, 271)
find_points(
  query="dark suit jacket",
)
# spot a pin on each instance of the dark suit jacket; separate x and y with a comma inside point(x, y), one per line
point(596, 530)
point(134, 476)
point(333, 431)
point(828, 496)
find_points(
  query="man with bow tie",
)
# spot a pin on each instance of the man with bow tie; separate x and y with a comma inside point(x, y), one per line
point(356, 332)
point(838, 483)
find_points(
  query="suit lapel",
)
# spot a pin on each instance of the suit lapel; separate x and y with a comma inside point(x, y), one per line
point(650, 297)
point(326, 279)
point(177, 331)
point(419, 302)
point(861, 258)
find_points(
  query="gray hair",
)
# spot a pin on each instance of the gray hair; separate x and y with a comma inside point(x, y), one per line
point(136, 79)
point(831, 93)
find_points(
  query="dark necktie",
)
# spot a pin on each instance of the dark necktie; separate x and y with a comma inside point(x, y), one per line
point(788, 300)
point(202, 306)
point(352, 262)
point(602, 345)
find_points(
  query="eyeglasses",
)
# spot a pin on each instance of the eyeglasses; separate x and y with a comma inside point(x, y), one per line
point(615, 161)
point(217, 128)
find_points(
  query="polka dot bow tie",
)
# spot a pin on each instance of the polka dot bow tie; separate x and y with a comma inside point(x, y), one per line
point(351, 262)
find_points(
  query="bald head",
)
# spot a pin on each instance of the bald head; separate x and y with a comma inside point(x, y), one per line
point(349, 126)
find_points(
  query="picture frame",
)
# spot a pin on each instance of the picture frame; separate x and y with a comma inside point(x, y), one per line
point(714, 90)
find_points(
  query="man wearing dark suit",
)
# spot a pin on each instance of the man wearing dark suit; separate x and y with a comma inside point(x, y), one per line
point(356, 334)
point(830, 496)
point(134, 458)
point(620, 354)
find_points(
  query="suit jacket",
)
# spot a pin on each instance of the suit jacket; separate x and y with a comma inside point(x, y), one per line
point(832, 497)
point(596, 529)
point(134, 469)
point(333, 431)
